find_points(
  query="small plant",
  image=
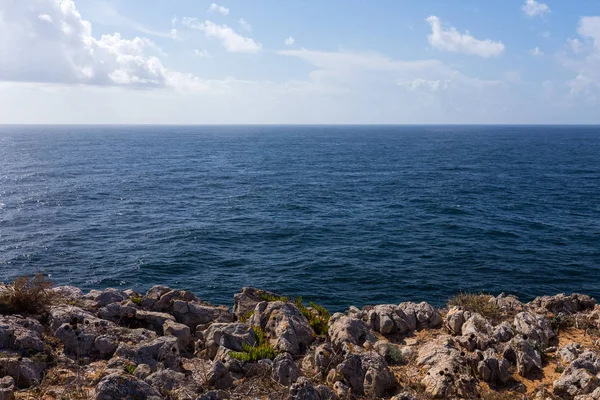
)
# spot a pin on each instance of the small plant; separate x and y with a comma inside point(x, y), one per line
point(261, 351)
point(27, 294)
point(477, 302)
point(318, 317)
point(130, 368)
point(244, 318)
point(559, 369)
point(270, 297)
point(393, 355)
point(562, 321)
point(137, 300)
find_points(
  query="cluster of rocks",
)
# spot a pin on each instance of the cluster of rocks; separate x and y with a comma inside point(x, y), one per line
point(169, 344)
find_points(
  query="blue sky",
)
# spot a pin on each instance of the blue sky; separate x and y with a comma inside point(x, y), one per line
point(199, 62)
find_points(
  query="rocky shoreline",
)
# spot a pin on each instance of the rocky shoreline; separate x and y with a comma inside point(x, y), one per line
point(168, 344)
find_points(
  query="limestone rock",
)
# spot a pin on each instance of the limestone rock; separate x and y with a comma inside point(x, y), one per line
point(455, 318)
point(425, 315)
point(575, 381)
point(507, 302)
point(142, 371)
point(534, 327)
point(118, 386)
point(569, 352)
point(24, 371)
point(520, 352)
point(68, 292)
point(343, 329)
point(7, 388)
point(166, 380)
point(20, 334)
point(219, 377)
point(245, 302)
point(493, 370)
point(285, 370)
point(303, 389)
point(503, 332)
point(103, 298)
point(325, 393)
point(389, 318)
point(193, 314)
point(153, 319)
point(163, 349)
point(181, 332)
point(476, 324)
point(232, 336)
point(288, 329)
point(587, 360)
point(562, 303)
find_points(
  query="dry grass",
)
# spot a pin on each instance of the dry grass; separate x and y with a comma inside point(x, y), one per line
point(27, 295)
point(479, 303)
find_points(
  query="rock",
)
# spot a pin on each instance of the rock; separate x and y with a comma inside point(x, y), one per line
point(63, 314)
point(476, 324)
point(575, 381)
point(343, 329)
point(68, 292)
point(303, 389)
point(493, 370)
point(341, 389)
point(166, 380)
point(118, 386)
point(595, 395)
point(103, 298)
point(214, 395)
point(323, 357)
point(352, 372)
point(534, 327)
point(503, 332)
point(520, 352)
point(388, 318)
point(153, 295)
point(24, 371)
point(404, 396)
point(193, 314)
point(562, 303)
point(245, 302)
point(569, 352)
point(153, 320)
point(455, 318)
point(285, 370)
point(288, 329)
point(507, 303)
point(163, 349)
point(20, 334)
point(325, 393)
point(105, 345)
point(181, 332)
point(587, 360)
point(425, 315)
point(142, 371)
point(378, 379)
point(7, 388)
point(118, 312)
point(219, 377)
point(231, 336)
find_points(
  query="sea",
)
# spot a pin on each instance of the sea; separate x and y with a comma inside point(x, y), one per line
point(339, 215)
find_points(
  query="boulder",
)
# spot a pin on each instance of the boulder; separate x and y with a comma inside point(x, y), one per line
point(520, 352)
point(493, 370)
point(142, 371)
point(503, 332)
point(285, 370)
point(507, 303)
point(325, 393)
point(24, 371)
point(389, 318)
point(476, 324)
point(424, 315)
point(575, 381)
point(343, 329)
point(7, 388)
point(232, 336)
point(102, 298)
point(365, 373)
point(303, 389)
point(62, 314)
point(166, 380)
point(341, 389)
point(535, 327)
point(118, 386)
point(164, 350)
point(562, 303)
point(68, 292)
point(193, 314)
point(288, 329)
point(20, 334)
point(455, 318)
point(153, 319)
point(181, 332)
point(219, 377)
point(595, 395)
point(245, 302)
point(587, 360)
point(569, 352)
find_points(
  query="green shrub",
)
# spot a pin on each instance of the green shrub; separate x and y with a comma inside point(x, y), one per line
point(244, 318)
point(130, 369)
point(318, 320)
point(261, 351)
point(137, 300)
point(270, 298)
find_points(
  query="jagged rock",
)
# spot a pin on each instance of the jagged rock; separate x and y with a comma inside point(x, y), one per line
point(378, 379)
point(323, 356)
point(153, 319)
point(569, 352)
point(245, 302)
point(118, 386)
point(455, 318)
point(493, 370)
point(163, 349)
point(231, 336)
point(20, 334)
point(166, 380)
point(587, 360)
point(343, 329)
point(507, 302)
point(303, 389)
point(562, 303)
point(341, 389)
point(325, 393)
point(475, 341)
point(595, 395)
point(24, 371)
point(534, 327)
point(476, 324)
point(153, 295)
point(181, 332)
point(404, 396)
point(72, 315)
point(424, 315)
point(214, 395)
point(503, 332)
point(68, 292)
point(288, 329)
point(118, 312)
point(285, 370)
point(142, 371)
point(389, 318)
point(7, 388)
point(520, 352)
point(219, 377)
point(575, 381)
point(103, 298)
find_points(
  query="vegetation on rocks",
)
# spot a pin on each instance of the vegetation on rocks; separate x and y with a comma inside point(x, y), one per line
point(477, 302)
point(263, 350)
point(30, 294)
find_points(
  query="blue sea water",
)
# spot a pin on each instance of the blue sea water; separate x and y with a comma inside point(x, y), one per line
point(340, 215)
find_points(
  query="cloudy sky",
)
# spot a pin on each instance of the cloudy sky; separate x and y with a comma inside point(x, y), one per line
point(299, 61)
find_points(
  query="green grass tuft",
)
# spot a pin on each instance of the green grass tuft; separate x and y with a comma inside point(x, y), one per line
point(261, 351)
point(130, 369)
point(137, 300)
point(477, 302)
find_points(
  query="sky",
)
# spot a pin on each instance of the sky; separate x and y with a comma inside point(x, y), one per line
point(299, 62)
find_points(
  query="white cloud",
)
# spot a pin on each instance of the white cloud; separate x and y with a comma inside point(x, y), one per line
point(420, 83)
point(175, 34)
point(231, 40)
point(545, 34)
point(245, 25)
point(533, 8)
point(537, 52)
point(60, 49)
point(202, 53)
point(585, 60)
point(575, 45)
point(452, 40)
point(217, 8)
point(174, 21)
point(289, 41)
